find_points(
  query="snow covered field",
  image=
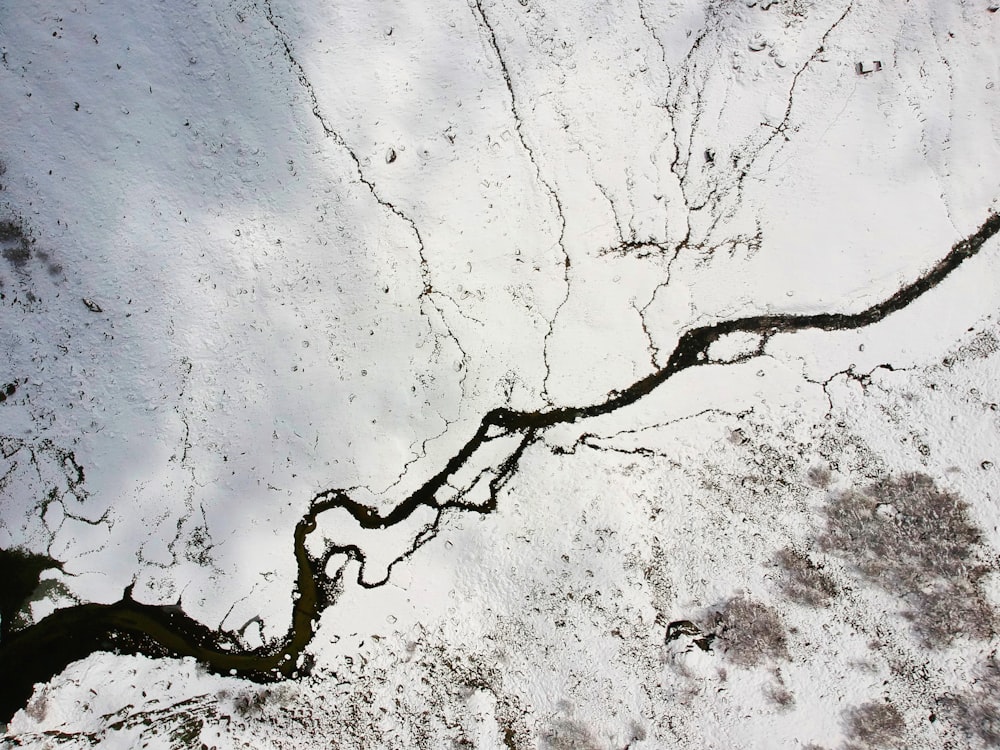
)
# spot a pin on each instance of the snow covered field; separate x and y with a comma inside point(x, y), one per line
point(253, 252)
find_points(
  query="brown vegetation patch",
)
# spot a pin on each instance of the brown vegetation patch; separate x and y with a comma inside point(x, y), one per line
point(748, 632)
point(915, 540)
point(803, 581)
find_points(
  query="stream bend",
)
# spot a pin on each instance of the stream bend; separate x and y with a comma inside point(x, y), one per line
point(40, 651)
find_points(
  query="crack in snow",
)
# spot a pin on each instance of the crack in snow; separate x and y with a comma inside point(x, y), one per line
point(484, 21)
point(330, 132)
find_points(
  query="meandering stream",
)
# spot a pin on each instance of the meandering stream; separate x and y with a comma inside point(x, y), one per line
point(40, 651)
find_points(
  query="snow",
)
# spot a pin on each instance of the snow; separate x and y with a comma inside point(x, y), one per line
point(280, 308)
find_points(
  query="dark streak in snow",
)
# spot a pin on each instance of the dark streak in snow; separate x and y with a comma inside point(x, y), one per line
point(40, 651)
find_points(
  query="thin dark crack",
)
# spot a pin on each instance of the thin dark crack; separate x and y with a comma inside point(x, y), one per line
point(39, 651)
point(636, 249)
point(417, 455)
point(654, 350)
point(782, 127)
point(596, 442)
point(484, 21)
point(451, 334)
point(551, 330)
point(651, 347)
point(614, 213)
point(652, 31)
point(864, 379)
point(724, 188)
point(330, 132)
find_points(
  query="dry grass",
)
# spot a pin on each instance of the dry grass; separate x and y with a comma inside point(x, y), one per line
point(820, 476)
point(915, 541)
point(874, 725)
point(803, 581)
point(976, 712)
point(568, 734)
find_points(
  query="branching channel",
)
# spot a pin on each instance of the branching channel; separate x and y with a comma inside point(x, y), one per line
point(38, 652)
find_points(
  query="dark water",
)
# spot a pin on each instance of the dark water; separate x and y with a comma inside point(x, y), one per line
point(38, 652)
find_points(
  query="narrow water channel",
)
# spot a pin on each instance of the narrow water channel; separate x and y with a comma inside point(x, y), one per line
point(38, 652)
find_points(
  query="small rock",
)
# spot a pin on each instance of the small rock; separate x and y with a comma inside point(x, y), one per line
point(688, 635)
point(757, 44)
point(92, 306)
point(390, 155)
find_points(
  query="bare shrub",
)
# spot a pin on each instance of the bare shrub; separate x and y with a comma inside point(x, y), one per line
point(14, 246)
point(637, 732)
point(568, 734)
point(779, 695)
point(914, 540)
point(256, 701)
point(748, 632)
point(875, 725)
point(9, 231)
point(803, 581)
point(820, 476)
point(982, 345)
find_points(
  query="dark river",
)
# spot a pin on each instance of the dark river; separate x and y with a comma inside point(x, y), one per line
point(38, 652)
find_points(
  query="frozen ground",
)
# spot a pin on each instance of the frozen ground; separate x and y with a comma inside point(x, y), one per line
point(256, 251)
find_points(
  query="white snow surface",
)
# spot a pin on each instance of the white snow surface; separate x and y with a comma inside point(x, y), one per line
point(322, 240)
